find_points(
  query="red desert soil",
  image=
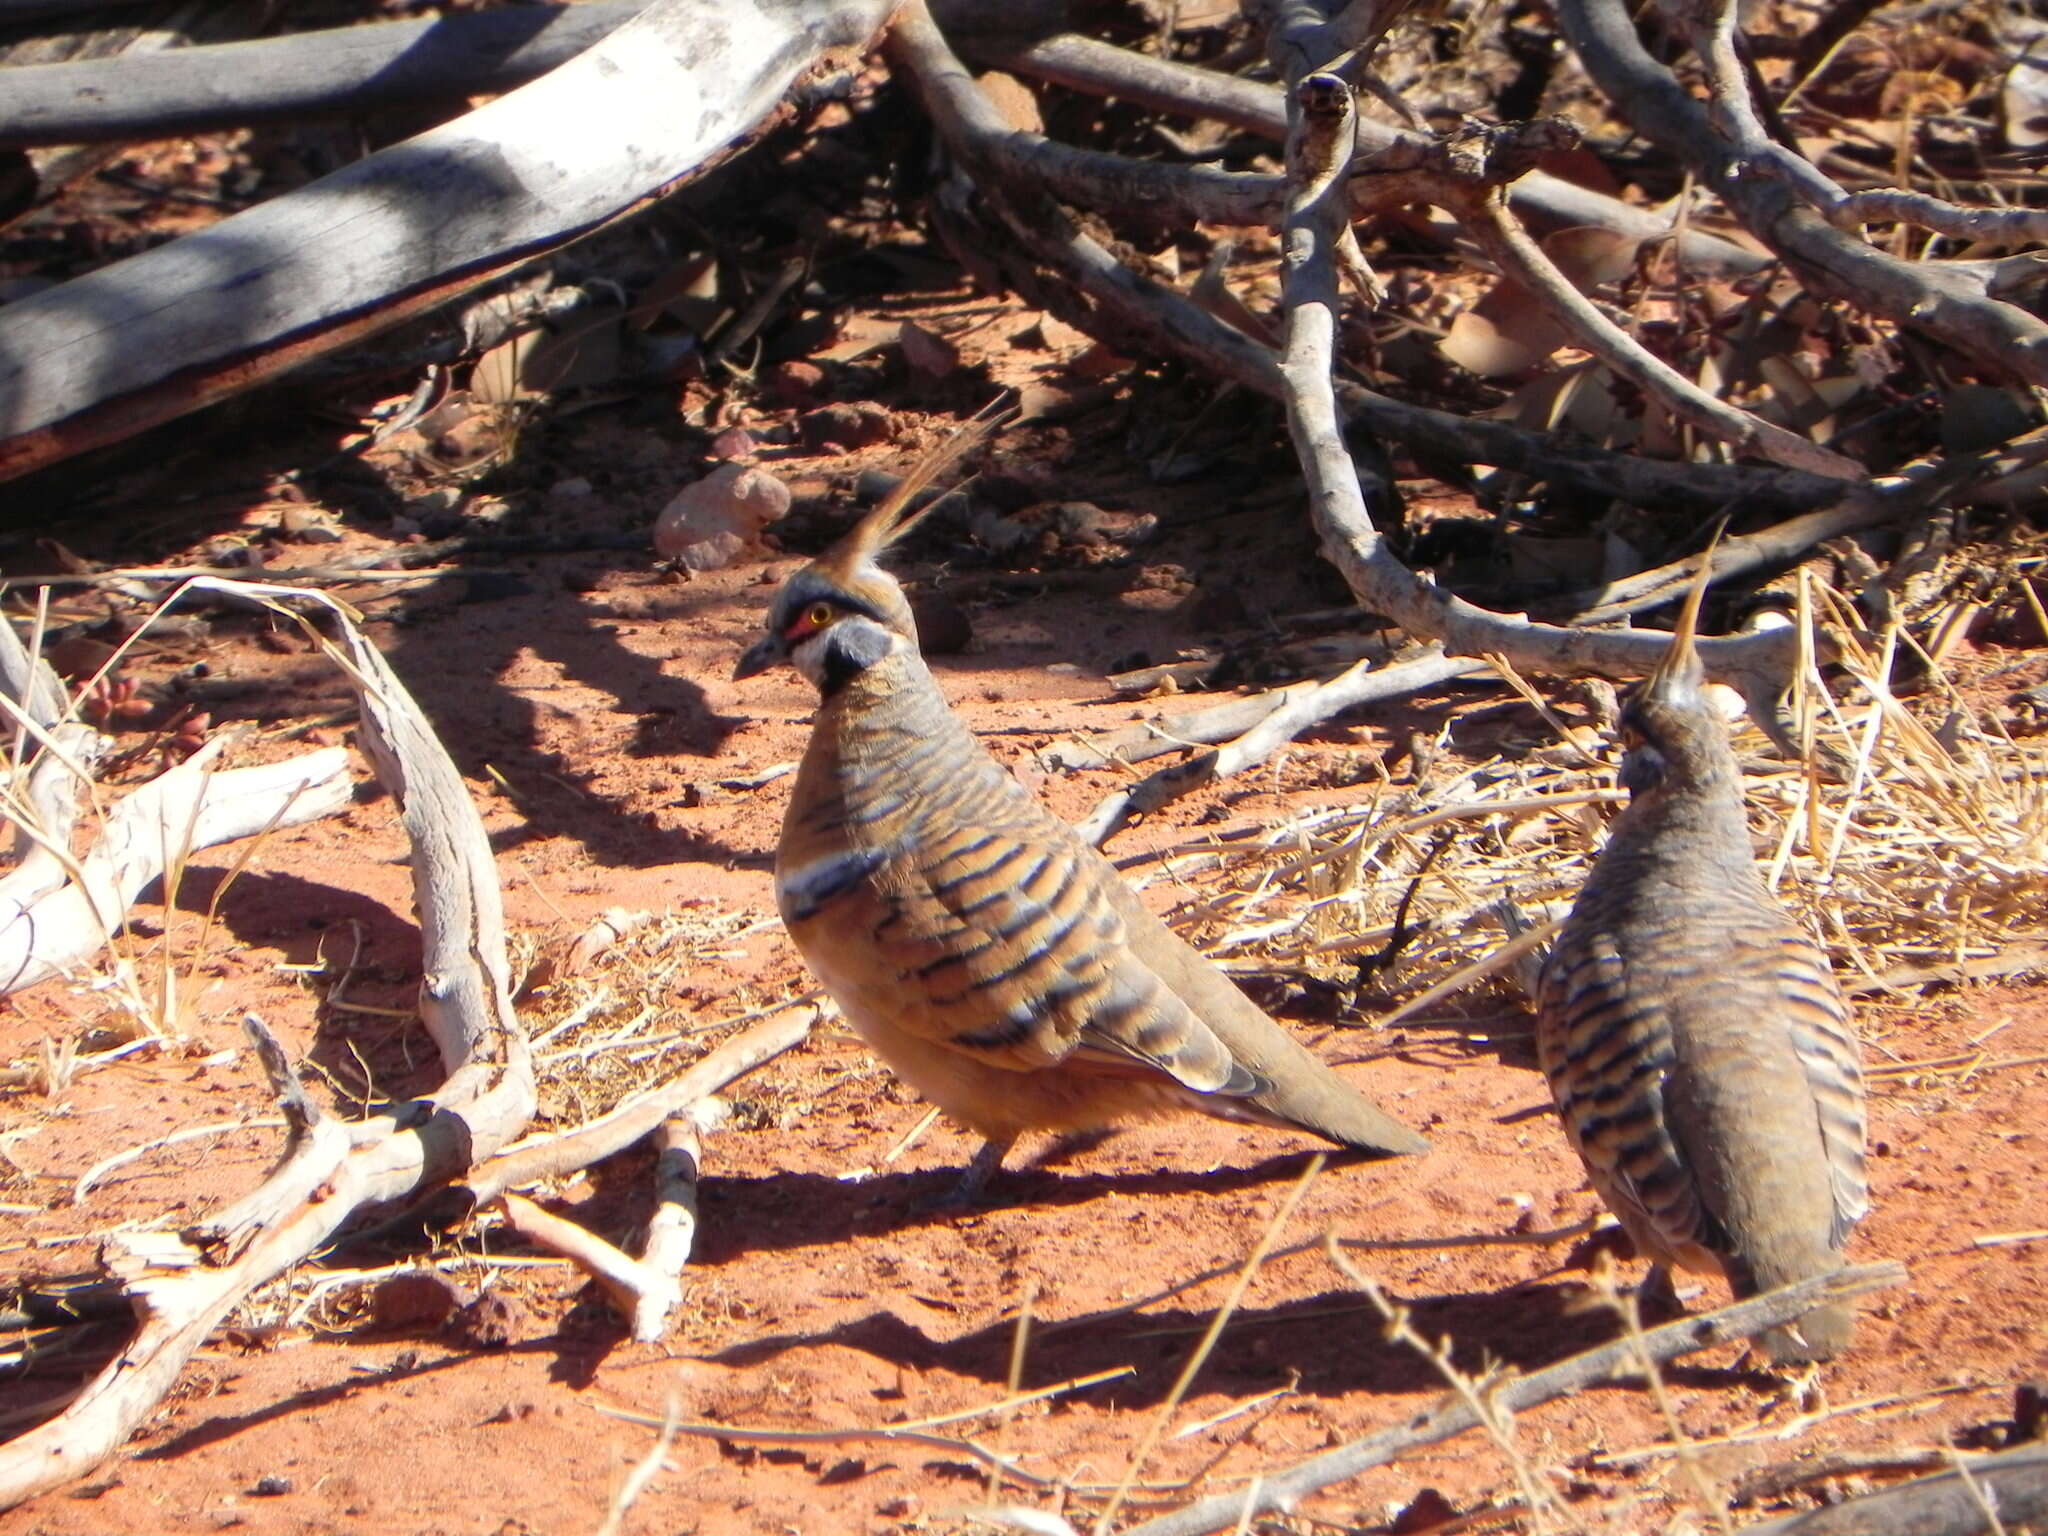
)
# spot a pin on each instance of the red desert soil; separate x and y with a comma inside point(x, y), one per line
point(597, 728)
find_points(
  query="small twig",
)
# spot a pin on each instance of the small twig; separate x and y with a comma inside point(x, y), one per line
point(1157, 1430)
point(1296, 712)
point(1624, 1306)
point(891, 1435)
point(106, 1165)
point(1684, 1337)
point(1478, 1396)
point(644, 1472)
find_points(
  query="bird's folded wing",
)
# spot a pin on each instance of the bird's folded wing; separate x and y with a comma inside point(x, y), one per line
point(1005, 943)
point(1611, 1057)
point(1825, 1042)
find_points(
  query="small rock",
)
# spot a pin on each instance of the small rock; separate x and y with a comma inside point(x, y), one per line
point(493, 1321)
point(574, 488)
point(795, 382)
point(1427, 1510)
point(928, 353)
point(733, 443)
point(306, 526)
point(415, 1300)
point(1014, 100)
point(846, 426)
point(943, 627)
point(710, 523)
point(271, 1487)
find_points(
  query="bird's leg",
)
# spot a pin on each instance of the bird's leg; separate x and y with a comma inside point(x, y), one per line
point(1658, 1293)
point(974, 1179)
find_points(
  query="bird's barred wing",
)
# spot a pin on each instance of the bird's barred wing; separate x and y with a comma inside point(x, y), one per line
point(1005, 943)
point(1825, 1041)
point(1608, 1055)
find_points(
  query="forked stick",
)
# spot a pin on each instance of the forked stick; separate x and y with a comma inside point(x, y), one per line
point(183, 1284)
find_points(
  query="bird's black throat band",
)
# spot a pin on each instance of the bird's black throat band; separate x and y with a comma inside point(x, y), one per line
point(850, 649)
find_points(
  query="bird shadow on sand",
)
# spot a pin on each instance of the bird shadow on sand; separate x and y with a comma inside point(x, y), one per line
point(1328, 1344)
point(803, 1210)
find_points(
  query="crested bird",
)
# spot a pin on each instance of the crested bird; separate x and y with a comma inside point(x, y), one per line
point(993, 959)
point(1699, 1049)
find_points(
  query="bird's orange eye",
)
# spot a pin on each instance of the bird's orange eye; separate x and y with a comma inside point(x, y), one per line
point(810, 621)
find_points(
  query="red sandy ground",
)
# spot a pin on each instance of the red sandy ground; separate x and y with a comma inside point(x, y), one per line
point(821, 1300)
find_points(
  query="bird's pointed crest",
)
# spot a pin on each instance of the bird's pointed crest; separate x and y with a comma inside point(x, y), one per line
point(1680, 668)
point(894, 515)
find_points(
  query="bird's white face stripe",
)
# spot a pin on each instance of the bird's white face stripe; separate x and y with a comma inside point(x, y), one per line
point(808, 657)
point(804, 891)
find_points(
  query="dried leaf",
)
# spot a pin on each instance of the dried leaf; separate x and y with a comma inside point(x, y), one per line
point(1507, 332)
point(1510, 330)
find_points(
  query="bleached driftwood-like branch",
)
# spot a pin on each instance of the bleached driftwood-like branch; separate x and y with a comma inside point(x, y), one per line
point(651, 106)
point(345, 69)
point(50, 921)
point(543, 1157)
point(183, 1284)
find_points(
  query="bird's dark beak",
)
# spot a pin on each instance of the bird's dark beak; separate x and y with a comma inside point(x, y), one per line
point(764, 653)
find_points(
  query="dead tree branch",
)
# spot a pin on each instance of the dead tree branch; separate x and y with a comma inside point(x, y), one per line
point(1486, 218)
point(1084, 64)
point(182, 1285)
point(1948, 302)
point(544, 1157)
point(1051, 262)
point(347, 69)
point(2014, 1483)
point(1279, 1492)
point(1295, 711)
point(650, 107)
point(55, 912)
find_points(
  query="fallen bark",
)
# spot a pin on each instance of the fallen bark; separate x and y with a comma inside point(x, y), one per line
point(649, 108)
point(182, 1285)
point(1280, 1492)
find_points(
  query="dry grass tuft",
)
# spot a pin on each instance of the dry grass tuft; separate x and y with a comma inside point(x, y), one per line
point(624, 1022)
point(1913, 840)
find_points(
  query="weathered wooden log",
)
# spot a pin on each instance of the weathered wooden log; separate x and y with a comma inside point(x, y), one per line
point(645, 111)
point(348, 69)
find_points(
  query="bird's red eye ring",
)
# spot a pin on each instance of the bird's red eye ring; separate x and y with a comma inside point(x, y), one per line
point(810, 621)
